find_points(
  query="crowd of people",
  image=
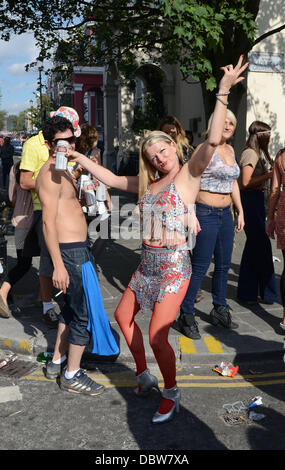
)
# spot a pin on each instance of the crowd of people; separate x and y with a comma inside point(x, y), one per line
point(184, 193)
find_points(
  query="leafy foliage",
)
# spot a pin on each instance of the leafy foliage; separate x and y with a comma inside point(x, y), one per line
point(3, 115)
point(186, 32)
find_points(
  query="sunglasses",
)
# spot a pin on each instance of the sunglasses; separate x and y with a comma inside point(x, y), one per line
point(70, 140)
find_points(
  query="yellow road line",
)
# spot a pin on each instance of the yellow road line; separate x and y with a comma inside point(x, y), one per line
point(185, 381)
point(232, 384)
point(187, 345)
point(131, 377)
point(213, 344)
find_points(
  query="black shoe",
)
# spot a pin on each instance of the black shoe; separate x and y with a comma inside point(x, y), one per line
point(187, 326)
point(220, 315)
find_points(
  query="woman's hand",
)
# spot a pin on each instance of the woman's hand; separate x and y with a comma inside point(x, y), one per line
point(232, 75)
point(72, 154)
point(240, 222)
point(193, 223)
point(270, 228)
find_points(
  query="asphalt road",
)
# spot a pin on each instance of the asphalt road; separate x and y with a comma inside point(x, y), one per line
point(39, 416)
point(36, 415)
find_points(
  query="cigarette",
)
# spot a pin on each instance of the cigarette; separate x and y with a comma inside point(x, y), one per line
point(60, 292)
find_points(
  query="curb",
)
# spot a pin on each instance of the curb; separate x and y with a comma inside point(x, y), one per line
point(31, 347)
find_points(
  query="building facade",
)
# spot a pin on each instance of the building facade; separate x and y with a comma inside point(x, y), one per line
point(121, 110)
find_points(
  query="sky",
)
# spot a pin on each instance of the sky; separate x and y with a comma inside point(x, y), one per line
point(16, 85)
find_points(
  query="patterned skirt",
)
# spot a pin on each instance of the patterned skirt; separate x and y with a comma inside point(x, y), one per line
point(161, 271)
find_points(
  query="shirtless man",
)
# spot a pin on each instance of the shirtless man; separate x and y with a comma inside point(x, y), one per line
point(65, 233)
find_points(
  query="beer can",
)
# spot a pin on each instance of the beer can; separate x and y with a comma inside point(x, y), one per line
point(89, 192)
point(101, 192)
point(61, 159)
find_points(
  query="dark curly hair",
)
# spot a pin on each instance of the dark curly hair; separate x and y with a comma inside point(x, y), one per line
point(54, 125)
point(89, 135)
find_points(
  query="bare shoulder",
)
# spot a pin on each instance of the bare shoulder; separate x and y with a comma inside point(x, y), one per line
point(230, 149)
point(187, 185)
point(47, 176)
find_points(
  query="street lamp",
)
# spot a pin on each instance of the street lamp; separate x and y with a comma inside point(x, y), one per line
point(41, 68)
point(31, 114)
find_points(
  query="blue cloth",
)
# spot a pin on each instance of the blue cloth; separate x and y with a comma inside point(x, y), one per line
point(104, 342)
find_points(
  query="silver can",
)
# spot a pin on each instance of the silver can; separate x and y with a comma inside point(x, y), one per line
point(61, 159)
point(90, 196)
point(101, 192)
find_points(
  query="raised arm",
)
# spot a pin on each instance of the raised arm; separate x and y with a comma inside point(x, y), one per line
point(125, 183)
point(202, 157)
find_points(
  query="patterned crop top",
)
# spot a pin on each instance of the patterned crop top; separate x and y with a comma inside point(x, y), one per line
point(219, 177)
point(164, 211)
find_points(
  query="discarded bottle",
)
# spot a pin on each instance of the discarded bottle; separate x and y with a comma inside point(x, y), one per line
point(8, 359)
point(44, 356)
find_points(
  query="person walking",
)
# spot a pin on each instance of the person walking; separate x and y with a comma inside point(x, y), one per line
point(276, 206)
point(162, 277)
point(21, 219)
point(256, 275)
point(6, 154)
point(218, 189)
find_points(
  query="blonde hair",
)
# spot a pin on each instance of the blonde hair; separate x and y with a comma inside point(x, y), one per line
point(147, 172)
point(229, 115)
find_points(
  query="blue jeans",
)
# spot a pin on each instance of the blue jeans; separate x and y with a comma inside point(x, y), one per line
point(215, 239)
point(74, 312)
point(256, 275)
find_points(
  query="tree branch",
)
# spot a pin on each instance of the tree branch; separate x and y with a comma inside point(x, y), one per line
point(269, 33)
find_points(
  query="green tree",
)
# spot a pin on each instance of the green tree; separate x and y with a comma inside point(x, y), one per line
point(3, 115)
point(16, 122)
point(198, 35)
point(41, 111)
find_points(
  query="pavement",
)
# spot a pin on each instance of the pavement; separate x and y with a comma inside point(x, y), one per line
point(259, 336)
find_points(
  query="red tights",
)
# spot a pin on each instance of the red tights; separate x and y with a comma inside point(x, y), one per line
point(163, 315)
